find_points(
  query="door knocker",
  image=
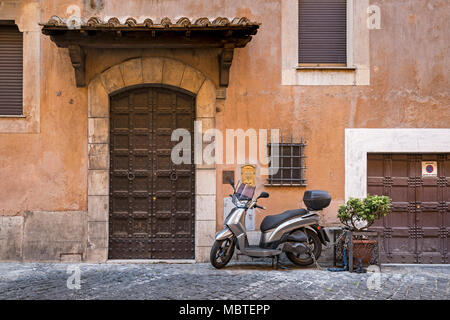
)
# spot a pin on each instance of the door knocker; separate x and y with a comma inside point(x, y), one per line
point(173, 176)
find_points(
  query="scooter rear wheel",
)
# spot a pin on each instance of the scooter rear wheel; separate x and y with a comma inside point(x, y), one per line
point(221, 253)
point(305, 259)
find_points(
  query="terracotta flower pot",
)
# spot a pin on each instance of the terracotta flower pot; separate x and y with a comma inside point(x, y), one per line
point(363, 249)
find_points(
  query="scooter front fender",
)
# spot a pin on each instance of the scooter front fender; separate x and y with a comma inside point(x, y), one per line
point(224, 234)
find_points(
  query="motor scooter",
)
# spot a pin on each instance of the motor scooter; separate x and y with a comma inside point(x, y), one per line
point(295, 232)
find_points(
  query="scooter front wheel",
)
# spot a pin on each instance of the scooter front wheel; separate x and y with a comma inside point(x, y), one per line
point(221, 252)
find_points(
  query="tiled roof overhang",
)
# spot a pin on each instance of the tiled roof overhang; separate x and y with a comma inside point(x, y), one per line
point(202, 33)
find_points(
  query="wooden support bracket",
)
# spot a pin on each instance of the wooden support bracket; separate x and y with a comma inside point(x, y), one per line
point(77, 57)
point(225, 61)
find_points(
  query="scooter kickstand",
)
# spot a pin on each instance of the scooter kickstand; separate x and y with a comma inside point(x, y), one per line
point(279, 264)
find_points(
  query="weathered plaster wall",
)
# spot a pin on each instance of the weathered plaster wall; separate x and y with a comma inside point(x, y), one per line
point(46, 171)
point(409, 88)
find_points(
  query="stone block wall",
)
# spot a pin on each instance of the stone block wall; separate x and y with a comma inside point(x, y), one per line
point(43, 236)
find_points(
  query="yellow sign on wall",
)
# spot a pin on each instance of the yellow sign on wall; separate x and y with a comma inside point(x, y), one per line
point(248, 175)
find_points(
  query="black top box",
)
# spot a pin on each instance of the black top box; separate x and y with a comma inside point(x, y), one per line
point(316, 199)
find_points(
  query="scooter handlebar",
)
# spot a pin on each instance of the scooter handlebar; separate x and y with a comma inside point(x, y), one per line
point(259, 207)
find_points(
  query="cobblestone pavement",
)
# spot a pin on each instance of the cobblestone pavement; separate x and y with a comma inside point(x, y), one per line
point(202, 281)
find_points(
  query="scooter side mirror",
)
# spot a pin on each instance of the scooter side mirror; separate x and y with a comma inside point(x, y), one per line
point(231, 182)
point(263, 195)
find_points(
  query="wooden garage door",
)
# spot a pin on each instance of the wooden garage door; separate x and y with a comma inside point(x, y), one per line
point(417, 229)
point(151, 199)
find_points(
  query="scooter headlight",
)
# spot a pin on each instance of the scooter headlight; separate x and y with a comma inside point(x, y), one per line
point(237, 203)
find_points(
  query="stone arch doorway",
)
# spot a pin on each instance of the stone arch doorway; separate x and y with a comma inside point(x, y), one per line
point(151, 199)
point(145, 72)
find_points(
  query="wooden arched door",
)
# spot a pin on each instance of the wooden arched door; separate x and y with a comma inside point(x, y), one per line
point(151, 200)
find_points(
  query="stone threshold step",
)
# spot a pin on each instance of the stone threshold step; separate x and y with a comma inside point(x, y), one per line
point(149, 261)
point(414, 265)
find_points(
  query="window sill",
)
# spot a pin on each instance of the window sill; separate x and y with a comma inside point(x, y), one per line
point(284, 185)
point(325, 68)
point(326, 76)
point(12, 116)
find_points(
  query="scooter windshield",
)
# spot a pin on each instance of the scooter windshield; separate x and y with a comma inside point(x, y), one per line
point(245, 192)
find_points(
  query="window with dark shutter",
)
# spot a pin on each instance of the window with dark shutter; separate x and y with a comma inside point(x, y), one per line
point(322, 31)
point(11, 69)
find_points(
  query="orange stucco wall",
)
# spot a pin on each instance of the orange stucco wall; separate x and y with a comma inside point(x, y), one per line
point(47, 170)
point(409, 88)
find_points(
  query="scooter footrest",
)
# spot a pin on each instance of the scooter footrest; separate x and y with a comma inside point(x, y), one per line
point(256, 252)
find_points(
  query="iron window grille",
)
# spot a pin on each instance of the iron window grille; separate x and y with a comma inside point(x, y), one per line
point(287, 168)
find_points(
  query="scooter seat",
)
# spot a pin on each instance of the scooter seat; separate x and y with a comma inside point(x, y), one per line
point(273, 221)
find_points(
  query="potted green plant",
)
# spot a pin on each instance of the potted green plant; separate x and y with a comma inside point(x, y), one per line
point(358, 215)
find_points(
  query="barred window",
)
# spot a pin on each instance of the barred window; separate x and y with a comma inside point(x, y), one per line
point(287, 165)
